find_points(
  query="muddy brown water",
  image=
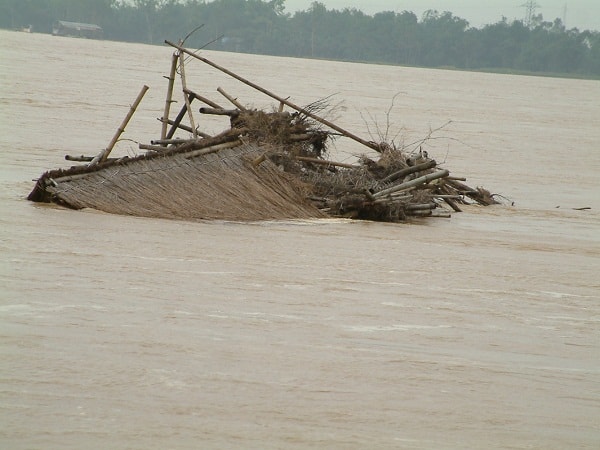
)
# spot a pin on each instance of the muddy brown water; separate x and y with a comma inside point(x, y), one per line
point(479, 331)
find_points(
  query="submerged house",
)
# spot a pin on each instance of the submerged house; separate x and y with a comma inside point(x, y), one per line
point(265, 165)
point(76, 29)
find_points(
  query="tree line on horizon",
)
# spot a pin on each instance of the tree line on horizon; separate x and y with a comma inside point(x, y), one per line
point(263, 27)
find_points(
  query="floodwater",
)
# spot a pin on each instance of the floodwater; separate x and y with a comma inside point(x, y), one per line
point(479, 331)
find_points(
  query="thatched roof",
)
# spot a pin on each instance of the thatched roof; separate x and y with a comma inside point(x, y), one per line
point(224, 185)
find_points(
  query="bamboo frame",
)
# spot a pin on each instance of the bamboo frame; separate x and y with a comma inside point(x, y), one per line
point(169, 99)
point(331, 125)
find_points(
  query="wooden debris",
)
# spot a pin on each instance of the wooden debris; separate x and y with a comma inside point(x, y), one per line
point(264, 165)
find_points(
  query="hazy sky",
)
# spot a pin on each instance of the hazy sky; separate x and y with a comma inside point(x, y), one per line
point(583, 14)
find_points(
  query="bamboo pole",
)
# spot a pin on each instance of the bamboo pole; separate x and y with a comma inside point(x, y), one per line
point(413, 183)
point(212, 149)
point(331, 125)
point(440, 213)
point(81, 158)
point(220, 111)
point(324, 162)
point(420, 206)
point(185, 128)
point(169, 99)
point(154, 148)
point(420, 213)
point(178, 119)
point(234, 101)
point(168, 141)
point(103, 155)
point(452, 204)
point(187, 99)
point(202, 99)
point(408, 170)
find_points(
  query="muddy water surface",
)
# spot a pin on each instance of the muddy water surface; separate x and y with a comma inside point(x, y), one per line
point(479, 331)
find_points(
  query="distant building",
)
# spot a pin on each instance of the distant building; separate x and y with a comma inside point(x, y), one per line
point(76, 29)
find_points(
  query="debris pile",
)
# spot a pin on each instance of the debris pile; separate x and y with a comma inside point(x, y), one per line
point(265, 165)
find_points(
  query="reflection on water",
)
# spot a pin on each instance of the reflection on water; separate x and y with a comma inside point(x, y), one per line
point(475, 332)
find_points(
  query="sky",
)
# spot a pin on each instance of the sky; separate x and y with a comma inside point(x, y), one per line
point(583, 14)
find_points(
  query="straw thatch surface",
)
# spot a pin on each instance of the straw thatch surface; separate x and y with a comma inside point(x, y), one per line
point(224, 185)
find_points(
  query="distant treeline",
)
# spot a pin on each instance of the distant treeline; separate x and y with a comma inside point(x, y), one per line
point(262, 27)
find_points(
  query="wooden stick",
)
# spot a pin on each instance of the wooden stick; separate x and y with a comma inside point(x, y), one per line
point(259, 160)
point(187, 99)
point(392, 199)
point(186, 128)
point(420, 206)
point(408, 170)
point(371, 145)
point(169, 99)
point(420, 213)
point(324, 162)
point(81, 158)
point(168, 141)
point(178, 119)
point(202, 99)
point(413, 183)
point(154, 148)
point(237, 104)
point(101, 157)
point(220, 111)
point(452, 204)
point(213, 149)
point(450, 196)
point(440, 213)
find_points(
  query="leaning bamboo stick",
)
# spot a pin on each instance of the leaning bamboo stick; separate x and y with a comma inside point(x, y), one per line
point(307, 113)
point(452, 204)
point(187, 99)
point(176, 123)
point(234, 101)
point(101, 157)
point(185, 128)
point(169, 99)
point(202, 99)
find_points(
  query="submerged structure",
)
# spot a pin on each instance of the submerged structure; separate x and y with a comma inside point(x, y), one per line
point(77, 29)
point(265, 165)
